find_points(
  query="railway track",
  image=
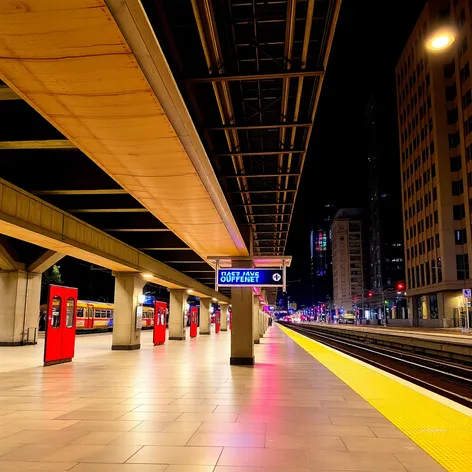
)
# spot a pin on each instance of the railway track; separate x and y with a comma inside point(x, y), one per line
point(449, 379)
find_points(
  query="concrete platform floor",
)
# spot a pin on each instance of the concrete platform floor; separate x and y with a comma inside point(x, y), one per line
point(182, 408)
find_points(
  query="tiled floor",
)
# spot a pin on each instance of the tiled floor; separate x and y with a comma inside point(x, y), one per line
point(182, 408)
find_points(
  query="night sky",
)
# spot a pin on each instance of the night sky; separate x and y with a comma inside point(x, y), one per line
point(369, 38)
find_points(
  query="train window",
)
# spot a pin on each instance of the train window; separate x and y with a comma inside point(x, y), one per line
point(70, 312)
point(56, 312)
point(111, 313)
point(97, 313)
point(80, 312)
point(104, 314)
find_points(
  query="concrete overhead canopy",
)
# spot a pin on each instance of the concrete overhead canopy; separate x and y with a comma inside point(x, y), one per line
point(26, 217)
point(95, 71)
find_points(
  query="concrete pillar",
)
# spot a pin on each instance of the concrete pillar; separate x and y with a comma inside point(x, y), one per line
point(128, 287)
point(20, 293)
point(255, 320)
point(242, 343)
point(261, 322)
point(177, 307)
point(224, 317)
point(205, 321)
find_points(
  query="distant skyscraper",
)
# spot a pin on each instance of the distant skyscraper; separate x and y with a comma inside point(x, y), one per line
point(348, 259)
point(434, 101)
point(320, 254)
point(385, 238)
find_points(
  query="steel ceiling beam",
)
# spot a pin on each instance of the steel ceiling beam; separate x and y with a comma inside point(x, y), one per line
point(42, 144)
point(260, 176)
point(258, 127)
point(6, 93)
point(261, 204)
point(259, 76)
point(136, 230)
point(260, 153)
point(264, 191)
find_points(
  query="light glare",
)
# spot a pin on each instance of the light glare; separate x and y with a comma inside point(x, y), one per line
point(441, 39)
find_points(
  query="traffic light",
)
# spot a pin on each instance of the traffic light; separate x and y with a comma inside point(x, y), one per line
point(400, 287)
point(370, 294)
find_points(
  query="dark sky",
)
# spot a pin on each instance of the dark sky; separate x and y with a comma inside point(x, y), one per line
point(369, 38)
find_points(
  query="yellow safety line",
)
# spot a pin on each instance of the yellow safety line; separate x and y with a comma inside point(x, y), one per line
point(443, 432)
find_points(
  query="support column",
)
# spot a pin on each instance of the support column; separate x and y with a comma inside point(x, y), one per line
point(205, 316)
point(20, 294)
point(128, 286)
point(224, 317)
point(255, 320)
point(178, 303)
point(261, 322)
point(242, 343)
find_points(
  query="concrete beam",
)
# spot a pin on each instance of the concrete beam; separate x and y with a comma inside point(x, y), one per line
point(47, 260)
point(26, 217)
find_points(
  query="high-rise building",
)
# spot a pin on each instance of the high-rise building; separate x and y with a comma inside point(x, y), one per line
point(320, 254)
point(434, 100)
point(385, 238)
point(348, 259)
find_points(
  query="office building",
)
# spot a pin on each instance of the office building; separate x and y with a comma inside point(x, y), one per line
point(348, 259)
point(434, 100)
point(320, 254)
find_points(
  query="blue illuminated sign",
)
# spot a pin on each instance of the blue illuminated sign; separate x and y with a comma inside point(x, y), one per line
point(250, 277)
point(149, 300)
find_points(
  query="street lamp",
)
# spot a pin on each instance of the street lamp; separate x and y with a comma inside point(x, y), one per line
point(441, 39)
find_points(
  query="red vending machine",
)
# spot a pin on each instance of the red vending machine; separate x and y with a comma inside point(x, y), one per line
point(59, 344)
point(217, 321)
point(193, 321)
point(160, 323)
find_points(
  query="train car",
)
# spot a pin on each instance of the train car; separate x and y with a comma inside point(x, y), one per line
point(97, 316)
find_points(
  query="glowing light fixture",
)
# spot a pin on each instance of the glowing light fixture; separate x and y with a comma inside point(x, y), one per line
point(441, 39)
point(141, 299)
point(189, 290)
point(214, 299)
point(147, 276)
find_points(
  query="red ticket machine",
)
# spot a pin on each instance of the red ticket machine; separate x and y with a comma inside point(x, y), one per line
point(160, 323)
point(217, 321)
point(59, 346)
point(193, 321)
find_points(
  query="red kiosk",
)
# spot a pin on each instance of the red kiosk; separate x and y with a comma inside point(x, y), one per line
point(217, 321)
point(193, 321)
point(160, 323)
point(59, 346)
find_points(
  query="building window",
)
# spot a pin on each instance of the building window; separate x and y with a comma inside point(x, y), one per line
point(428, 274)
point(451, 92)
point(452, 116)
point(465, 73)
point(456, 164)
point(458, 211)
point(455, 139)
point(439, 270)
point(460, 236)
point(433, 271)
point(466, 99)
point(457, 187)
point(436, 217)
point(437, 240)
point(462, 266)
point(435, 194)
point(431, 148)
point(433, 307)
point(449, 69)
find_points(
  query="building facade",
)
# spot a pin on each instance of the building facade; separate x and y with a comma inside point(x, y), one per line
point(348, 259)
point(434, 101)
point(385, 238)
point(320, 254)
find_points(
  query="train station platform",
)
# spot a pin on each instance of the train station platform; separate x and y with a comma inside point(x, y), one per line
point(182, 408)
